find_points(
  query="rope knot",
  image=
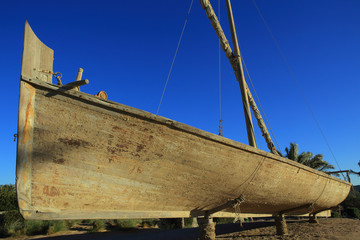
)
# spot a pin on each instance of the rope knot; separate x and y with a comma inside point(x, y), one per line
point(238, 201)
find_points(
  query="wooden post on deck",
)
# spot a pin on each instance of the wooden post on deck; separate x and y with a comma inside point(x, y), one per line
point(78, 78)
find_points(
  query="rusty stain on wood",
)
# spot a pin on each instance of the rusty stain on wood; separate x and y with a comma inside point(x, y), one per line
point(50, 191)
point(81, 157)
point(59, 161)
point(74, 142)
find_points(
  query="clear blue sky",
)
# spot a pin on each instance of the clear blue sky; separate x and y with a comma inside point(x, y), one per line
point(126, 49)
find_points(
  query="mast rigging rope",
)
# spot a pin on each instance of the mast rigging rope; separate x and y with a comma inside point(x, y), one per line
point(172, 64)
point(221, 122)
point(261, 108)
point(297, 84)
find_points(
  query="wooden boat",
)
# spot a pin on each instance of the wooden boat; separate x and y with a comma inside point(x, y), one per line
point(83, 157)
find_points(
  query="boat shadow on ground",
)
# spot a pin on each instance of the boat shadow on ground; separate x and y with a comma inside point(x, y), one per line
point(225, 229)
point(178, 234)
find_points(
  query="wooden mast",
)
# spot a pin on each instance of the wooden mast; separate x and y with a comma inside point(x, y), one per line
point(240, 77)
point(236, 65)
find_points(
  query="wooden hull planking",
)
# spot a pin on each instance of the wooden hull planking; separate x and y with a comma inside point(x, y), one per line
point(82, 157)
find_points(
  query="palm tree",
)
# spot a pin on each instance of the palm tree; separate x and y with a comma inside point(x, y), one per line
point(307, 158)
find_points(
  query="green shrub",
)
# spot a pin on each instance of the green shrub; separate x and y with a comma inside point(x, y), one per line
point(335, 214)
point(352, 200)
point(3, 232)
point(8, 199)
point(56, 226)
point(98, 225)
point(36, 227)
point(170, 223)
point(223, 220)
point(128, 223)
point(150, 222)
point(353, 212)
point(11, 223)
point(70, 223)
point(188, 222)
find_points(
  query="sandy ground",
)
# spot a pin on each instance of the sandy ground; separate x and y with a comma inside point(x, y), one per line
point(332, 228)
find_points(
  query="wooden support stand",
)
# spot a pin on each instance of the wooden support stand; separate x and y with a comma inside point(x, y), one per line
point(280, 222)
point(313, 218)
point(182, 223)
point(194, 223)
point(206, 224)
point(281, 227)
point(206, 228)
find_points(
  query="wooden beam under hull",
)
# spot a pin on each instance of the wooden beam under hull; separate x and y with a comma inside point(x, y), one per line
point(82, 157)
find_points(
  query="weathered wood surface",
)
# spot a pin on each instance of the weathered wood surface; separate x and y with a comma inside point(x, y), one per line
point(80, 156)
point(37, 60)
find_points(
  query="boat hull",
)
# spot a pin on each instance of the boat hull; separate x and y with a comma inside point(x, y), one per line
point(82, 157)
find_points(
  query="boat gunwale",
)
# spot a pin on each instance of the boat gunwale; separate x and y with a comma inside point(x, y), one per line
point(172, 124)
